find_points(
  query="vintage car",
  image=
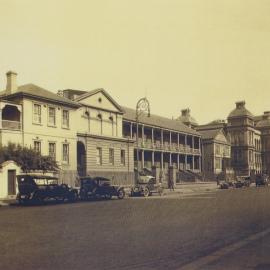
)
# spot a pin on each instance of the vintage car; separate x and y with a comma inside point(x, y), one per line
point(242, 181)
point(146, 186)
point(261, 180)
point(38, 188)
point(224, 185)
point(99, 188)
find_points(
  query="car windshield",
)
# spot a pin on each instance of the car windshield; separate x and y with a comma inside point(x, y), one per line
point(36, 180)
point(42, 182)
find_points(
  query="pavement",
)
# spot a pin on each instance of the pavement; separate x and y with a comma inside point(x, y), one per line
point(180, 189)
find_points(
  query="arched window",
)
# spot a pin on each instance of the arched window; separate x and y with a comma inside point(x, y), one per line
point(112, 125)
point(99, 117)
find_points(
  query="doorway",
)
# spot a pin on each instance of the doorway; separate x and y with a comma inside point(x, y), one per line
point(11, 182)
point(81, 159)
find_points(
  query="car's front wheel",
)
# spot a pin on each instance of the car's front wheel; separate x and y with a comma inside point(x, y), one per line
point(121, 194)
point(72, 196)
point(146, 192)
point(160, 191)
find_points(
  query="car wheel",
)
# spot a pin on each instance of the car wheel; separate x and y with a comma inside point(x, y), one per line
point(83, 195)
point(160, 191)
point(121, 194)
point(146, 192)
point(72, 196)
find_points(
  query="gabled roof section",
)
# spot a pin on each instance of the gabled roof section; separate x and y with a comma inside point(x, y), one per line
point(158, 121)
point(214, 134)
point(96, 91)
point(34, 91)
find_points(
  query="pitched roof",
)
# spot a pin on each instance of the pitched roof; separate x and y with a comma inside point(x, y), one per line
point(216, 124)
point(32, 90)
point(265, 121)
point(95, 91)
point(158, 121)
point(210, 134)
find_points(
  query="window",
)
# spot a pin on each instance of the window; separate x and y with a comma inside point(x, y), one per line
point(66, 152)
point(99, 156)
point(52, 150)
point(37, 113)
point(218, 163)
point(51, 120)
point(217, 149)
point(111, 156)
point(65, 118)
point(37, 146)
point(123, 157)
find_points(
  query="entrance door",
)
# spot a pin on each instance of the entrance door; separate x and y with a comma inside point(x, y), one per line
point(11, 182)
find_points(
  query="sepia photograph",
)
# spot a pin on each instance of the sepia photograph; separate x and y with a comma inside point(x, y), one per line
point(135, 134)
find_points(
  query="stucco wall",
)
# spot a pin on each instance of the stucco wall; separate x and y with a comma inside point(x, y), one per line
point(9, 165)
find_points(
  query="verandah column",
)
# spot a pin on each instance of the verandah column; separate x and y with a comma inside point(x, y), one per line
point(131, 126)
point(142, 159)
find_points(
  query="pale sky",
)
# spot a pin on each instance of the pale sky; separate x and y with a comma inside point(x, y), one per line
point(201, 54)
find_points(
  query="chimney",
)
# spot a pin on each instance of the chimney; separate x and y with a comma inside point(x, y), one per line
point(11, 82)
point(266, 115)
point(185, 112)
point(240, 104)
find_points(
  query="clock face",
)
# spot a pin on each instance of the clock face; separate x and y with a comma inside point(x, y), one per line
point(143, 105)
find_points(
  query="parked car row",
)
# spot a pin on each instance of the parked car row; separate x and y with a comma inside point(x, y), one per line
point(260, 180)
point(39, 188)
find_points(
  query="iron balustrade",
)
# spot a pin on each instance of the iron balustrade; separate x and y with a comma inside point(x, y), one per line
point(7, 124)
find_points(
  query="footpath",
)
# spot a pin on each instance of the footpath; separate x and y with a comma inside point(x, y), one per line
point(192, 188)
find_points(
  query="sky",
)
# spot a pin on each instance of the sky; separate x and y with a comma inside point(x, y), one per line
point(199, 54)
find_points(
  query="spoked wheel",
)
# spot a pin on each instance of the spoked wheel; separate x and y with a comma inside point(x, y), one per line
point(146, 192)
point(121, 194)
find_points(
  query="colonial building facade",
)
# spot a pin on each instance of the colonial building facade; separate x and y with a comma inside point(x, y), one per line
point(167, 147)
point(89, 133)
point(39, 119)
point(101, 147)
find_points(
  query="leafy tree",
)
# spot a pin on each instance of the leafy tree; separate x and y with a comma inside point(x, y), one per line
point(28, 159)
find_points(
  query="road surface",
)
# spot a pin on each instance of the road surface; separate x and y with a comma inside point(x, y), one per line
point(224, 229)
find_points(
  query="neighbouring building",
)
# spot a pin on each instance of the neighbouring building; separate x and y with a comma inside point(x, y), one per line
point(245, 141)
point(39, 119)
point(263, 147)
point(216, 153)
point(168, 148)
point(102, 150)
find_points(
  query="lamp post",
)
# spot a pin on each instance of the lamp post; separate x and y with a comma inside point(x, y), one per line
point(142, 106)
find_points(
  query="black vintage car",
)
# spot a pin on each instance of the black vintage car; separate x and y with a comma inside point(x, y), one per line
point(99, 188)
point(146, 186)
point(261, 180)
point(38, 188)
point(242, 181)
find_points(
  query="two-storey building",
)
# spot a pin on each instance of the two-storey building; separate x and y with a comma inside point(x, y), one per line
point(101, 148)
point(164, 144)
point(37, 118)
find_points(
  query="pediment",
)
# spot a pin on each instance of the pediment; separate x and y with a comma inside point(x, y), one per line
point(99, 99)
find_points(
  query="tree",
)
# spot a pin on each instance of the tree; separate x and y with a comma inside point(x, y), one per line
point(27, 158)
